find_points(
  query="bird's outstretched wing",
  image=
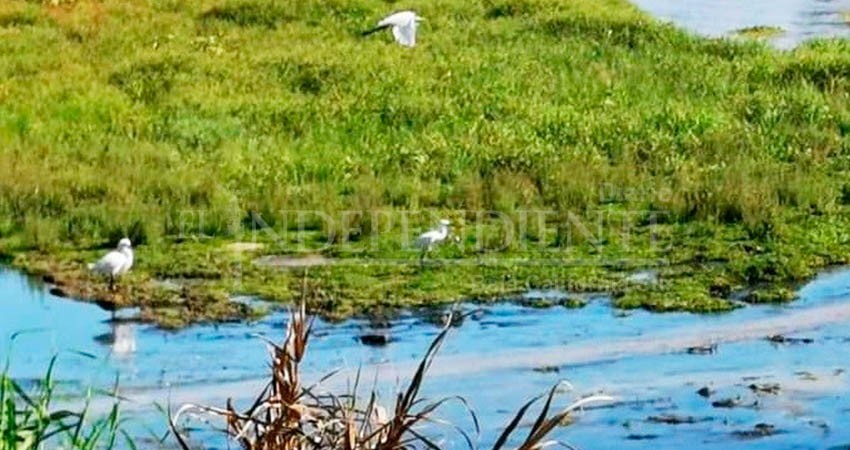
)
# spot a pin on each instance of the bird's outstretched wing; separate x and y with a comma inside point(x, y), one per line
point(397, 19)
point(403, 25)
point(405, 34)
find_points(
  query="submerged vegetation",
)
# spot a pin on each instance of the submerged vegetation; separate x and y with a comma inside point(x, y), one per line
point(760, 32)
point(191, 125)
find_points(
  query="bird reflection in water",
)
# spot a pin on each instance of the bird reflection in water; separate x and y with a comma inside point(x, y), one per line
point(121, 338)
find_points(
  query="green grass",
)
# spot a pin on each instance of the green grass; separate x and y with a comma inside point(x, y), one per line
point(29, 421)
point(234, 107)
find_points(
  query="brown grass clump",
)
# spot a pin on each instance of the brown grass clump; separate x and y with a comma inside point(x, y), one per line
point(289, 416)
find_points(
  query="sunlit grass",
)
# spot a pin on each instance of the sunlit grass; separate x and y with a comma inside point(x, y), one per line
point(233, 107)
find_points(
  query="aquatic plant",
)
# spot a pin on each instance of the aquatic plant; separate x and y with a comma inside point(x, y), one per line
point(289, 416)
point(28, 420)
point(759, 32)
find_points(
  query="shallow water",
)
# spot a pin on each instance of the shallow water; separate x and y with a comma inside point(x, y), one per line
point(490, 360)
point(801, 19)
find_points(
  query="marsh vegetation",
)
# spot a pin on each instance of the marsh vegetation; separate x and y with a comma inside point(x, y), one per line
point(176, 123)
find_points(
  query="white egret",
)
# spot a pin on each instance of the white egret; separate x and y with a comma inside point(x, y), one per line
point(115, 263)
point(403, 25)
point(429, 239)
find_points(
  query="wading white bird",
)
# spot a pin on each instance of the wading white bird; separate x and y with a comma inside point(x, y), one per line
point(403, 25)
point(429, 239)
point(115, 263)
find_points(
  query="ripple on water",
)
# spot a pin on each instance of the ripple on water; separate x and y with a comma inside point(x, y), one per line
point(490, 359)
point(800, 19)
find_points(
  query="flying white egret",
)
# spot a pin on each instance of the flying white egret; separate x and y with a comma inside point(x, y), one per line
point(403, 24)
point(115, 263)
point(429, 239)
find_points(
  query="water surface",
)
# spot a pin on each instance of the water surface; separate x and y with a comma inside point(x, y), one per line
point(801, 19)
point(494, 359)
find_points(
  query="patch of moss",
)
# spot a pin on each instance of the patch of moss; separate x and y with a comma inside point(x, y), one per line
point(573, 303)
point(201, 275)
point(538, 303)
point(773, 294)
point(680, 295)
point(760, 32)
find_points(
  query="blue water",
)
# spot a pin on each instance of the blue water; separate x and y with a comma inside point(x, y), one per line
point(801, 19)
point(809, 412)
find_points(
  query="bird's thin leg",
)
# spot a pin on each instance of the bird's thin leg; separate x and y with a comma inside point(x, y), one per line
point(112, 282)
point(422, 258)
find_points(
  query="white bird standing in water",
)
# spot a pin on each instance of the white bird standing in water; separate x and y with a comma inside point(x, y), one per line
point(115, 263)
point(429, 239)
point(403, 24)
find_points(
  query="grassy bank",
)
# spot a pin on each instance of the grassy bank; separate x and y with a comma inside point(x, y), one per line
point(722, 164)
